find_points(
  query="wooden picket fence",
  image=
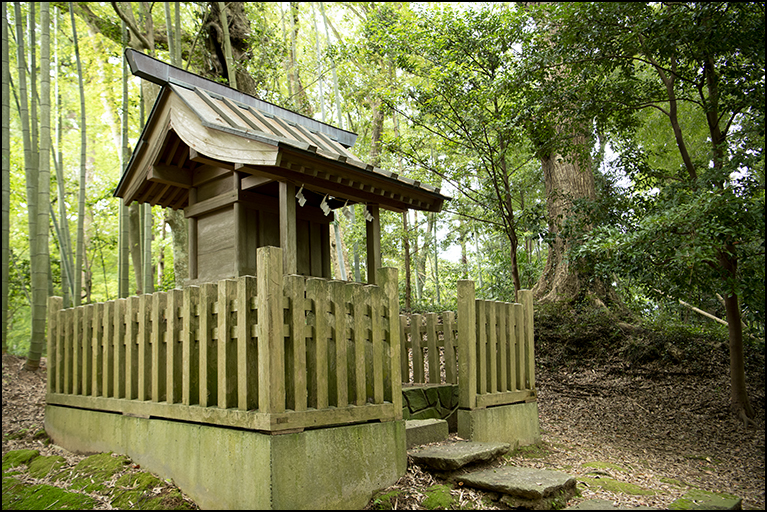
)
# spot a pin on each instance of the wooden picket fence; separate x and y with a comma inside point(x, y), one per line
point(496, 338)
point(273, 352)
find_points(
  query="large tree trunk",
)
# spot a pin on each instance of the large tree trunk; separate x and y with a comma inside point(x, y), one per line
point(566, 180)
point(239, 32)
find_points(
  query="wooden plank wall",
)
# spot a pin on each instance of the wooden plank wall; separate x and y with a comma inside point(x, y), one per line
point(270, 352)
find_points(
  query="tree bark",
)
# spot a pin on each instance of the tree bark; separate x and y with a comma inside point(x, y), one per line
point(6, 176)
point(567, 179)
point(239, 33)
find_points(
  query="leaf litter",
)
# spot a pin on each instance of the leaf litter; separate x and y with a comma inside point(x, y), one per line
point(670, 429)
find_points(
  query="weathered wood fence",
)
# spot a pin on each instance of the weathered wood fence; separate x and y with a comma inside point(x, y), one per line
point(284, 352)
point(273, 352)
point(496, 338)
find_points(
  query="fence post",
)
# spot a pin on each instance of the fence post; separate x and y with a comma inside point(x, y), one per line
point(246, 363)
point(526, 299)
point(54, 305)
point(467, 361)
point(227, 349)
point(387, 280)
point(271, 345)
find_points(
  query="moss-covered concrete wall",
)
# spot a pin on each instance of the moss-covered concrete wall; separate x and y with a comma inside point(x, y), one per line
point(516, 424)
point(226, 468)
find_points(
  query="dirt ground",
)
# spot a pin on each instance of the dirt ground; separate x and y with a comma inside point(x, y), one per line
point(659, 428)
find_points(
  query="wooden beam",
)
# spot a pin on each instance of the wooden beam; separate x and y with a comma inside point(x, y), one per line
point(287, 197)
point(373, 230)
point(254, 181)
point(170, 175)
point(192, 237)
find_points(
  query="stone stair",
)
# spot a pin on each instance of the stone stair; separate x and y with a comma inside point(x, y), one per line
point(518, 487)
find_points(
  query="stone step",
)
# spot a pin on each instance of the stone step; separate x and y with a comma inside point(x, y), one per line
point(604, 505)
point(536, 489)
point(453, 456)
point(418, 432)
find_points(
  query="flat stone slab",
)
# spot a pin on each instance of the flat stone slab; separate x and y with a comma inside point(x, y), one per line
point(450, 457)
point(526, 483)
point(418, 432)
point(697, 499)
point(604, 505)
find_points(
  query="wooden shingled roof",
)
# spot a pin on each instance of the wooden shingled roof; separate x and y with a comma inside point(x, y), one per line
point(196, 122)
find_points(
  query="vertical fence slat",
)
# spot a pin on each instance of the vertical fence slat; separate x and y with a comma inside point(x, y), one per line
point(87, 344)
point(119, 335)
point(502, 320)
point(492, 346)
point(404, 357)
point(145, 347)
point(432, 348)
point(107, 324)
point(317, 291)
point(340, 332)
point(97, 350)
point(159, 337)
point(481, 347)
point(387, 280)
point(526, 298)
point(61, 320)
point(190, 353)
point(376, 339)
point(174, 358)
point(246, 348)
point(70, 350)
point(207, 345)
point(77, 343)
point(415, 344)
point(355, 296)
point(227, 349)
point(467, 332)
point(271, 348)
point(448, 327)
point(54, 306)
point(518, 332)
point(131, 348)
point(296, 383)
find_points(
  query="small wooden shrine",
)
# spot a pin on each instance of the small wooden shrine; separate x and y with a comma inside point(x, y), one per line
point(250, 174)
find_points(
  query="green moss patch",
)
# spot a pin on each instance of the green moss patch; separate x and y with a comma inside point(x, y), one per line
point(91, 472)
point(674, 482)
point(697, 499)
point(18, 458)
point(136, 490)
point(609, 484)
point(386, 501)
point(41, 467)
point(438, 496)
point(605, 465)
point(17, 496)
point(533, 451)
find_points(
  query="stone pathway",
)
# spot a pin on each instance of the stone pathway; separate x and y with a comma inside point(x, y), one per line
point(536, 489)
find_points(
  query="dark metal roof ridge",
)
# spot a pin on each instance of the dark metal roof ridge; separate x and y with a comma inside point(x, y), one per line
point(162, 73)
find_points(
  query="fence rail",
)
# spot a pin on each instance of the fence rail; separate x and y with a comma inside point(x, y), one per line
point(270, 352)
point(494, 338)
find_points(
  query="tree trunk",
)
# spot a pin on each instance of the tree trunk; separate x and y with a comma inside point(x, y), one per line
point(567, 179)
point(40, 257)
point(239, 34)
point(81, 196)
point(6, 176)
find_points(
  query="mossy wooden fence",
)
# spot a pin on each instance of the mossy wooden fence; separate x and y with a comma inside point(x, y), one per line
point(272, 352)
point(281, 352)
point(496, 338)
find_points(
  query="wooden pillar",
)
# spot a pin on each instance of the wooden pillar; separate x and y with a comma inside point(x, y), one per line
point(373, 230)
point(192, 237)
point(240, 233)
point(288, 227)
point(467, 355)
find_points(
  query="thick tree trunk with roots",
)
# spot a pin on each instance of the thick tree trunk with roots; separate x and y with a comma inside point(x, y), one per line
point(566, 180)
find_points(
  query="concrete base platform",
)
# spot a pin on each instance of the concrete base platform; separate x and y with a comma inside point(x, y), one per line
point(225, 468)
point(516, 424)
point(420, 432)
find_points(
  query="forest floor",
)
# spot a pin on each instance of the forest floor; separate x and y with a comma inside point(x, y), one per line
point(661, 427)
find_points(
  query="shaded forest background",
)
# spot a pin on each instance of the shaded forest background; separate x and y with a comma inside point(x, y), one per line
point(608, 156)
